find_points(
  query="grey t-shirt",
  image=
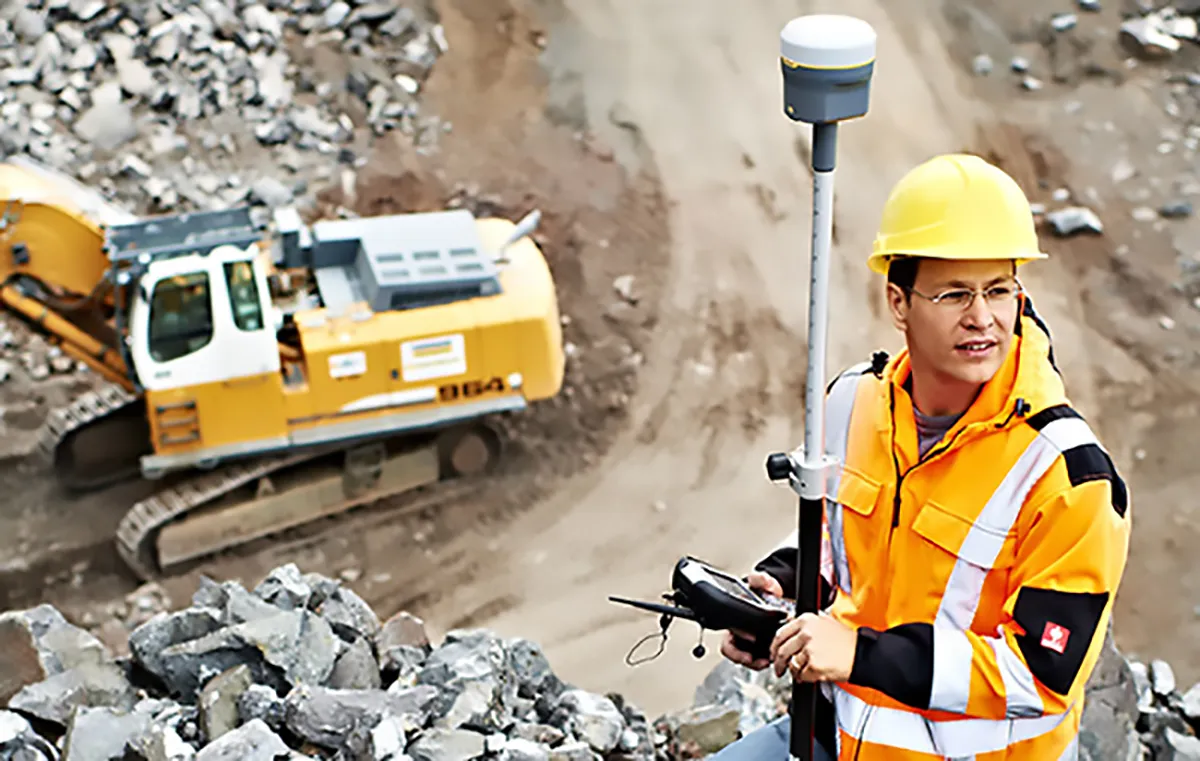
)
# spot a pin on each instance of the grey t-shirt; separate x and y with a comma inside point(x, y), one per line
point(931, 428)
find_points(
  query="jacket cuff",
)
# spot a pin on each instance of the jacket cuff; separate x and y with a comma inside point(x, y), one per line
point(897, 662)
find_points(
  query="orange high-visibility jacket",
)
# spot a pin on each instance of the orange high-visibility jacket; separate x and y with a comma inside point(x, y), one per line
point(980, 578)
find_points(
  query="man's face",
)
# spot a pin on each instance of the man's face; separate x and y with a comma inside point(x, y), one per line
point(953, 333)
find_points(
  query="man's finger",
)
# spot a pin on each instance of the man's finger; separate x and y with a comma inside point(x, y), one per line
point(789, 629)
point(784, 658)
point(788, 649)
point(812, 671)
point(730, 650)
point(784, 633)
point(798, 663)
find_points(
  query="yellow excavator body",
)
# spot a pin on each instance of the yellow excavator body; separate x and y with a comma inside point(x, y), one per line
point(273, 373)
point(364, 373)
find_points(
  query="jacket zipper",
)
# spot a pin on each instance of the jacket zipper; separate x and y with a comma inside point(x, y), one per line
point(901, 476)
point(889, 559)
point(896, 465)
point(1020, 409)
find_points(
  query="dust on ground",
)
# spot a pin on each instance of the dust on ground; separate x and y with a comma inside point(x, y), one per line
point(677, 394)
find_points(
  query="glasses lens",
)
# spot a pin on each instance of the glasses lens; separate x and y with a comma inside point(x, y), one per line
point(1001, 294)
point(955, 298)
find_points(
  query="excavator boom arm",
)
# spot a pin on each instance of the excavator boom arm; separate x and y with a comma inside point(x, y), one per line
point(81, 345)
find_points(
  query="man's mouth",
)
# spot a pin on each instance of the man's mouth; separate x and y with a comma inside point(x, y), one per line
point(976, 347)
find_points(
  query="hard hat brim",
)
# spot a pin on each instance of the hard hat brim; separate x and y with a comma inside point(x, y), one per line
point(879, 262)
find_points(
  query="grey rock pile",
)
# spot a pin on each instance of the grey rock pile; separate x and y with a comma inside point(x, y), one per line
point(1168, 719)
point(1156, 32)
point(300, 667)
point(173, 105)
point(19, 347)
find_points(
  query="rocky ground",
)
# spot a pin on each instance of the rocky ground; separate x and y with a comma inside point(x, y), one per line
point(300, 667)
point(676, 204)
point(169, 106)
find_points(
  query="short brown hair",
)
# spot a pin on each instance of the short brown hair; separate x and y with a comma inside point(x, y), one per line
point(902, 272)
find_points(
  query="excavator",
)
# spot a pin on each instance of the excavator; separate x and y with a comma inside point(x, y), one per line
point(270, 372)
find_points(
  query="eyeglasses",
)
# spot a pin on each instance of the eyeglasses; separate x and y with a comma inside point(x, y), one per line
point(962, 298)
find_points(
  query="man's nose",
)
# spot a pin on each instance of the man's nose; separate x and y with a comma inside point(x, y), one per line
point(979, 313)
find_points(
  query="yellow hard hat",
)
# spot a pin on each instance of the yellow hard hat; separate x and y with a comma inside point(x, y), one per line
point(956, 206)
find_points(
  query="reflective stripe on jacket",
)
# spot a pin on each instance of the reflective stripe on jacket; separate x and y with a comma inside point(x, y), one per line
point(981, 577)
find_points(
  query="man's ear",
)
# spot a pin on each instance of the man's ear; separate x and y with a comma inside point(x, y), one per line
point(898, 305)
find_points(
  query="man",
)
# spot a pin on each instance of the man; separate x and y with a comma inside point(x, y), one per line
point(977, 531)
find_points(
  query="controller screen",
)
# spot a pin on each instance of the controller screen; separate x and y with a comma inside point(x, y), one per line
point(734, 587)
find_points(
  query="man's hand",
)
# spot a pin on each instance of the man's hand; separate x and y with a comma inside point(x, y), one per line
point(764, 584)
point(816, 648)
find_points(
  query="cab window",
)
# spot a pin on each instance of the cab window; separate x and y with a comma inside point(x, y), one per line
point(243, 296)
point(181, 316)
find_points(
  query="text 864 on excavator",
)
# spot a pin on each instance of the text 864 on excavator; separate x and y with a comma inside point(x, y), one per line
point(307, 369)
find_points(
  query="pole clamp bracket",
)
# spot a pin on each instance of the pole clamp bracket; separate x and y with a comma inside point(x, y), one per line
point(810, 480)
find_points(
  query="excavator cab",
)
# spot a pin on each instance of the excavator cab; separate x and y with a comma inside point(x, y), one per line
point(200, 311)
point(200, 319)
point(199, 334)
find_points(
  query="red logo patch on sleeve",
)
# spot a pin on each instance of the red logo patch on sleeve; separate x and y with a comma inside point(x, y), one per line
point(1054, 637)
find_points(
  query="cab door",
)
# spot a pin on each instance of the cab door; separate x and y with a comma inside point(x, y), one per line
point(206, 354)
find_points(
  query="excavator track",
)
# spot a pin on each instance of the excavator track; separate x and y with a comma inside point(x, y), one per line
point(138, 528)
point(244, 501)
point(97, 439)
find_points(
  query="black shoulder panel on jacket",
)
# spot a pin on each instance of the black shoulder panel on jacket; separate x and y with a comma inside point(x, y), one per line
point(1086, 462)
point(1050, 414)
point(1031, 313)
point(1091, 463)
point(879, 361)
point(1059, 627)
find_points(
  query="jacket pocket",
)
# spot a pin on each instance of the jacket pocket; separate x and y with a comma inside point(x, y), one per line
point(858, 493)
point(854, 531)
point(978, 542)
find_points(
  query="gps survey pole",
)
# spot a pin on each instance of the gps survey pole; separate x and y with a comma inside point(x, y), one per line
point(827, 63)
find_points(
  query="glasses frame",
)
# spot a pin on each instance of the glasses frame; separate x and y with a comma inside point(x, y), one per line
point(939, 299)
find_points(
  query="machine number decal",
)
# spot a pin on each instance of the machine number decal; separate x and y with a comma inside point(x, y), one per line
point(452, 392)
point(348, 364)
point(436, 357)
